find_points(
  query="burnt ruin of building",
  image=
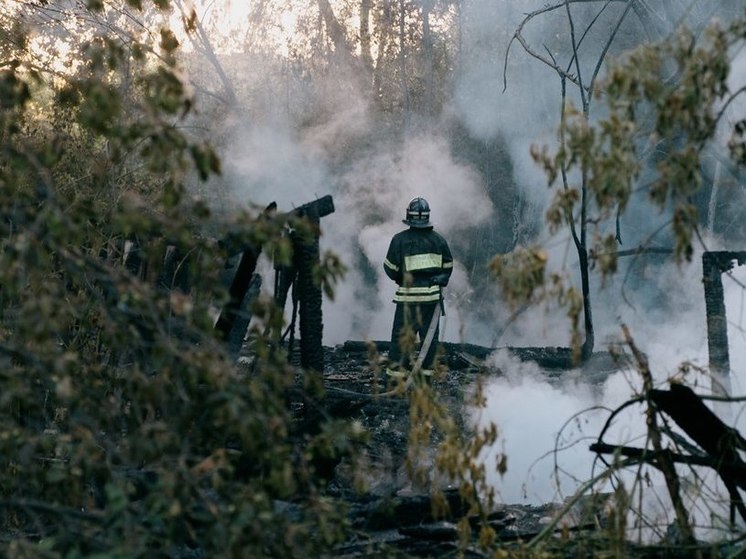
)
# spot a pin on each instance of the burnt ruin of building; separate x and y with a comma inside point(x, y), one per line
point(243, 282)
point(714, 265)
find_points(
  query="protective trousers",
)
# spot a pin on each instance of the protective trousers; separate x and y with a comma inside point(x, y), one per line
point(415, 317)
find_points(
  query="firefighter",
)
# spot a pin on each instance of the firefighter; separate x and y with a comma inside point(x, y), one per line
point(420, 262)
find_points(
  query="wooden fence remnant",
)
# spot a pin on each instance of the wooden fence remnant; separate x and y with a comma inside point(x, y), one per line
point(243, 283)
point(307, 295)
point(714, 265)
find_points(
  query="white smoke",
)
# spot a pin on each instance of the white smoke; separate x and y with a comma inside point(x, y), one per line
point(518, 101)
point(372, 177)
point(536, 416)
point(266, 163)
point(381, 186)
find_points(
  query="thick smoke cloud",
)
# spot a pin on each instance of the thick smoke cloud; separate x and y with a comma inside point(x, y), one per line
point(372, 176)
point(530, 409)
point(518, 102)
point(536, 416)
point(662, 303)
point(371, 189)
point(371, 202)
point(267, 164)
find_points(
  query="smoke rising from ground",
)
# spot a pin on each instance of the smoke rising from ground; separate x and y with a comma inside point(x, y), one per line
point(528, 407)
point(272, 163)
point(536, 416)
point(303, 140)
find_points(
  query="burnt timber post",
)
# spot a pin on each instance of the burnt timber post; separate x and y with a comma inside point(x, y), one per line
point(306, 257)
point(243, 287)
point(714, 264)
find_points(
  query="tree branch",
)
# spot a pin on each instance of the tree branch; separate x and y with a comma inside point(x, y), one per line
point(211, 55)
point(651, 457)
point(663, 461)
point(43, 506)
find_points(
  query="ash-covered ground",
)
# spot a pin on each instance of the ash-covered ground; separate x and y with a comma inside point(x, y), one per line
point(392, 513)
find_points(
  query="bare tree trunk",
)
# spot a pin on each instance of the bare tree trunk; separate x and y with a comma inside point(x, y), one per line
point(335, 29)
point(383, 31)
point(590, 337)
point(358, 70)
point(365, 54)
point(337, 33)
point(204, 45)
point(428, 60)
point(403, 55)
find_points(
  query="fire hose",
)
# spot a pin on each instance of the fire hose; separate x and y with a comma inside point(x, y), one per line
point(426, 343)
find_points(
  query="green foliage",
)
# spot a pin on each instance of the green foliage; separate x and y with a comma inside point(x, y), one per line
point(562, 208)
point(667, 95)
point(664, 105)
point(125, 429)
point(522, 277)
point(330, 270)
point(520, 273)
point(13, 91)
point(663, 102)
point(457, 457)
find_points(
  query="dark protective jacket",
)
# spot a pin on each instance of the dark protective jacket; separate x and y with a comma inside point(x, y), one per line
point(420, 262)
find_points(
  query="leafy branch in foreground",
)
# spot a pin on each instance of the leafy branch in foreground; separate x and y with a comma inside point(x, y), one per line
point(125, 428)
point(664, 103)
point(681, 445)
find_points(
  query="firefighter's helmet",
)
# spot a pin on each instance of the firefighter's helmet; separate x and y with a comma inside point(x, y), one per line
point(418, 214)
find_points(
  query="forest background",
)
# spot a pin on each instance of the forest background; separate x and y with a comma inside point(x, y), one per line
point(172, 122)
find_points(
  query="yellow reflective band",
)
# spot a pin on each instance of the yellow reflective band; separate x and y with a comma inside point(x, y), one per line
point(422, 261)
point(417, 294)
point(447, 264)
point(387, 262)
point(417, 298)
point(418, 290)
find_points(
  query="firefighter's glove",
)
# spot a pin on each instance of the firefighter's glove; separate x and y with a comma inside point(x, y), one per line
point(440, 279)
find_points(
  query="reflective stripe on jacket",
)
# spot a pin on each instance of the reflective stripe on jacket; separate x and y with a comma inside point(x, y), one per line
point(420, 262)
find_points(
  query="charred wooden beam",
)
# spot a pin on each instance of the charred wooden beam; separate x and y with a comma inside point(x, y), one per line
point(317, 209)
point(174, 272)
point(306, 257)
point(714, 264)
point(133, 258)
point(645, 455)
point(233, 314)
point(243, 287)
point(720, 442)
point(700, 423)
point(553, 359)
point(243, 283)
point(408, 511)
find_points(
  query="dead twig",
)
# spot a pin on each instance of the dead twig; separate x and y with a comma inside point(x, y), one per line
point(663, 461)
